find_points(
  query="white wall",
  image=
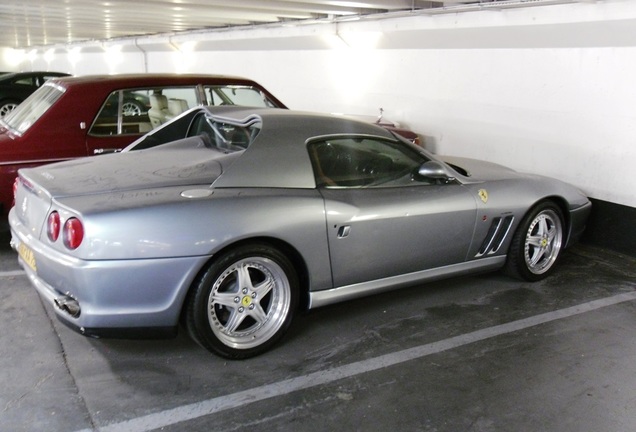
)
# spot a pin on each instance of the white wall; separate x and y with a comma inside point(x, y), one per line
point(548, 89)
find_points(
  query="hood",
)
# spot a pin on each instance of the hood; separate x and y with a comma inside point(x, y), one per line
point(180, 163)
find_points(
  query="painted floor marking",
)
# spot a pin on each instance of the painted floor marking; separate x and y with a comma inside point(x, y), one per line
point(218, 404)
point(12, 273)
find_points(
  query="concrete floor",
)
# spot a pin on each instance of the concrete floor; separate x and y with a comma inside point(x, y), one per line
point(482, 353)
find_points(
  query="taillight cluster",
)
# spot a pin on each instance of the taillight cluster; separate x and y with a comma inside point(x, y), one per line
point(72, 231)
point(16, 183)
point(53, 226)
point(15, 188)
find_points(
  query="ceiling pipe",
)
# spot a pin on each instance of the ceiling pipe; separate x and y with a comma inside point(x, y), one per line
point(456, 8)
point(144, 53)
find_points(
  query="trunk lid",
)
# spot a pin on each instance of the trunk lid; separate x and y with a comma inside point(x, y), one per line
point(182, 163)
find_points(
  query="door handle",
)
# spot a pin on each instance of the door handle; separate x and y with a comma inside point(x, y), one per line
point(344, 231)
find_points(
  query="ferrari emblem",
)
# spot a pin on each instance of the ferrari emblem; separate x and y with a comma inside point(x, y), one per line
point(483, 194)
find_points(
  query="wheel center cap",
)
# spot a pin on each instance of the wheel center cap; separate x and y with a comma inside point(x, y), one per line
point(544, 242)
point(246, 301)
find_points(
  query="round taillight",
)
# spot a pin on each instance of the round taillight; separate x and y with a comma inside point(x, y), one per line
point(73, 233)
point(53, 226)
point(15, 191)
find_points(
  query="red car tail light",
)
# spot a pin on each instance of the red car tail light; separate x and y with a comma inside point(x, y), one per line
point(15, 189)
point(53, 226)
point(16, 183)
point(73, 233)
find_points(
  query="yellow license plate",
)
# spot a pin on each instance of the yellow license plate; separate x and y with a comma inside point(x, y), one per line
point(27, 256)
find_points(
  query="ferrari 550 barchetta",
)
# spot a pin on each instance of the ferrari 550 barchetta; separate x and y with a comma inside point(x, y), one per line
point(231, 219)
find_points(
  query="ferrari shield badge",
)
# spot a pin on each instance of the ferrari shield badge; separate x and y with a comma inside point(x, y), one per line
point(483, 194)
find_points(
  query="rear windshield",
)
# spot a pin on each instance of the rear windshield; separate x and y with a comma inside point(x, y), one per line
point(28, 112)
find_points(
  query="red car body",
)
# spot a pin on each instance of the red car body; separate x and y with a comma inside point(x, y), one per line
point(67, 129)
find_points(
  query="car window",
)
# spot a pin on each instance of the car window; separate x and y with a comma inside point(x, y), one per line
point(29, 111)
point(45, 78)
point(27, 81)
point(136, 111)
point(364, 162)
point(222, 135)
point(237, 95)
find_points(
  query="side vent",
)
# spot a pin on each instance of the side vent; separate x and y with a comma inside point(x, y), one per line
point(497, 233)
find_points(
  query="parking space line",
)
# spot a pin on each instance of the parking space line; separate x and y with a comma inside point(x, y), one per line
point(11, 273)
point(236, 400)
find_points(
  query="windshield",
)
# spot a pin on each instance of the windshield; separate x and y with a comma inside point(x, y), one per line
point(226, 136)
point(28, 112)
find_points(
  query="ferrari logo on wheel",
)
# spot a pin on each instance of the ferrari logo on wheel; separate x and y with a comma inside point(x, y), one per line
point(483, 194)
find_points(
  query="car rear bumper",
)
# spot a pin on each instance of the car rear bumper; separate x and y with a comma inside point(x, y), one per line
point(108, 298)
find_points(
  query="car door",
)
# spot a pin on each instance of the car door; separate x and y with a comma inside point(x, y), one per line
point(382, 220)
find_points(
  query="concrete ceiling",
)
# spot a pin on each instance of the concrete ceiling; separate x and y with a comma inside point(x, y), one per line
point(36, 23)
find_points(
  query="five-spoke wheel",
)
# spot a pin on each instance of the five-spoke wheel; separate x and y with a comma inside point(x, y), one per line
point(244, 302)
point(537, 243)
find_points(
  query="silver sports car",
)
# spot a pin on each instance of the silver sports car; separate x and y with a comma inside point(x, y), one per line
point(229, 220)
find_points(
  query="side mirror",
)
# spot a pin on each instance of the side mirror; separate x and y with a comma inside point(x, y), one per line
point(435, 170)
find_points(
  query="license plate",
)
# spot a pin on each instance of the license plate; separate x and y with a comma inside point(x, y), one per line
point(27, 256)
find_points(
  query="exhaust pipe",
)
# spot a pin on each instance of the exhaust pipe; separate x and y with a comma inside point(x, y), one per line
point(69, 305)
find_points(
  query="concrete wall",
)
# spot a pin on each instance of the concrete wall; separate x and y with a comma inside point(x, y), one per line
point(546, 89)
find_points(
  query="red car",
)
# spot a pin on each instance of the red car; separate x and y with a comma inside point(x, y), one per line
point(81, 116)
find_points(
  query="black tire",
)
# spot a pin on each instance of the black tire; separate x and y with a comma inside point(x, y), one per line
point(536, 245)
point(8, 105)
point(244, 302)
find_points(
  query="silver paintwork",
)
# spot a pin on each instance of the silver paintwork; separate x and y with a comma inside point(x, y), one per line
point(155, 217)
point(350, 292)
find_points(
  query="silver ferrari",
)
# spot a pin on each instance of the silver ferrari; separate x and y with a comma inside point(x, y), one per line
point(231, 220)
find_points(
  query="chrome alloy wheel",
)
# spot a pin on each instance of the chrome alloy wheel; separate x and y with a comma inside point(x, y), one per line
point(543, 241)
point(249, 302)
